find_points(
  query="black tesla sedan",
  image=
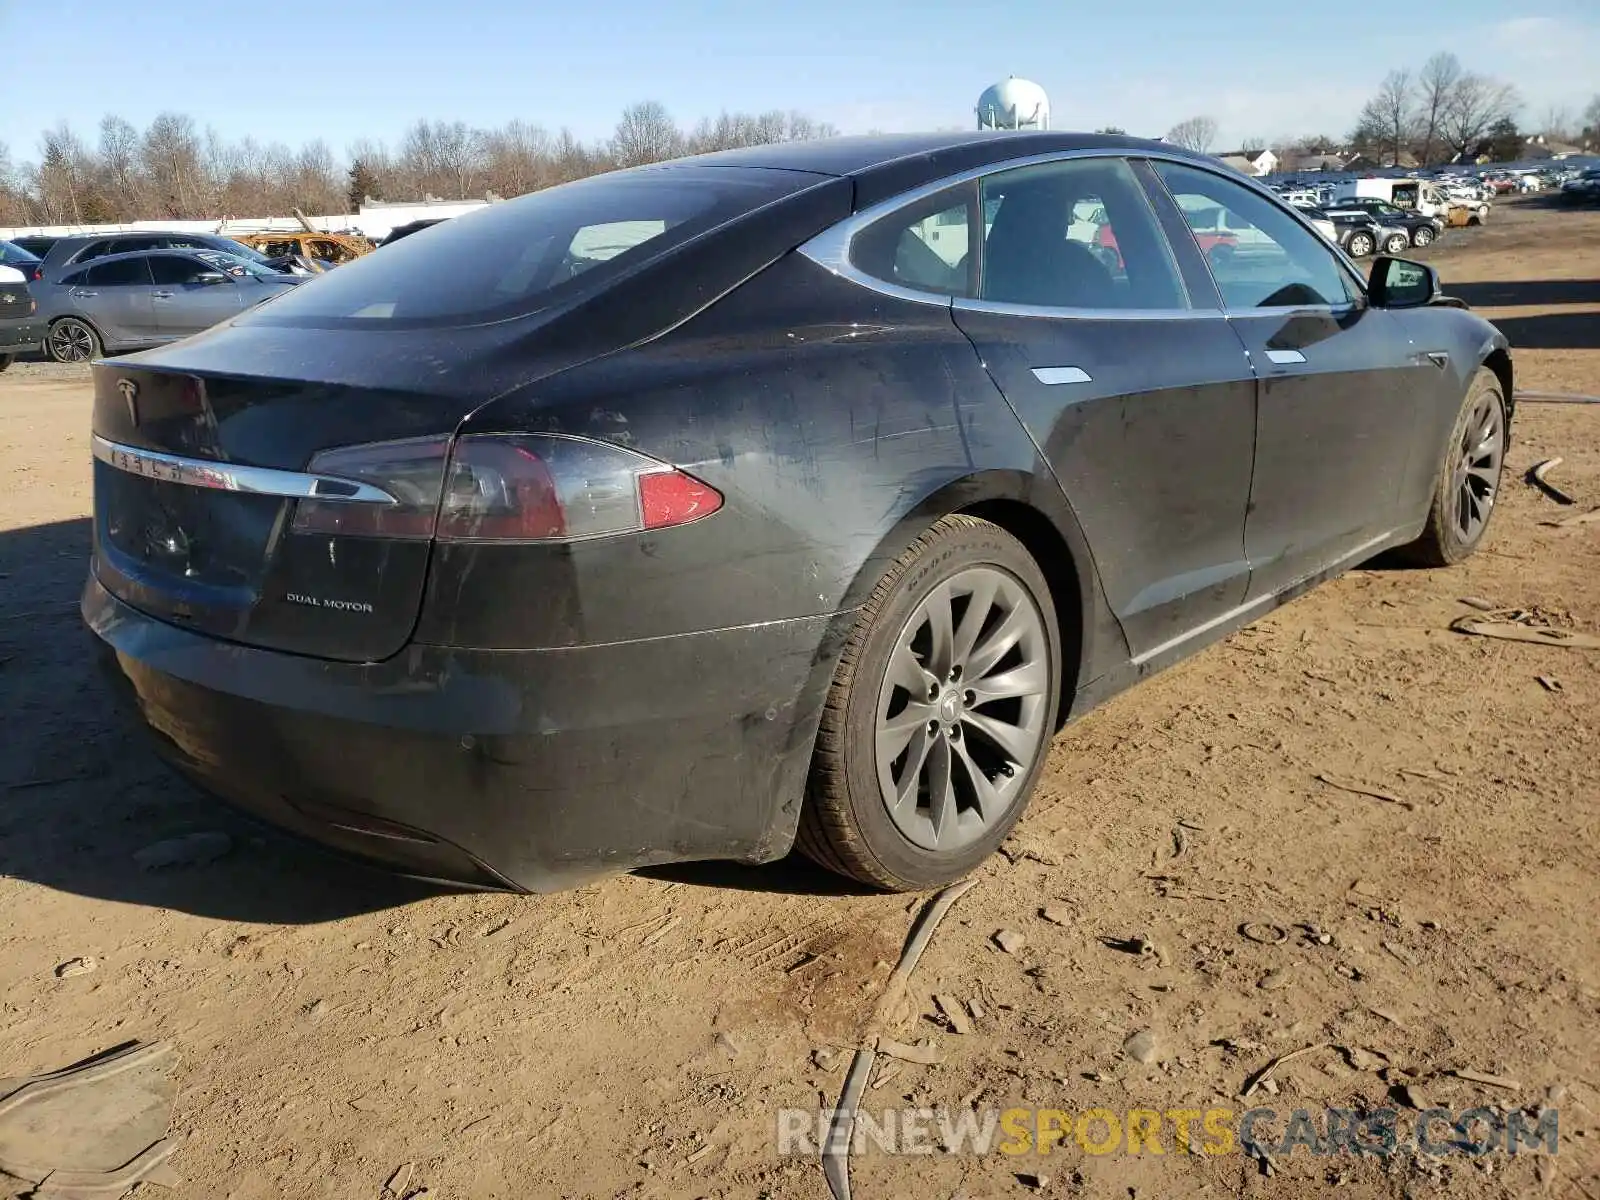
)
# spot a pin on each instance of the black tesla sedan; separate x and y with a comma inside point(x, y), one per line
point(790, 494)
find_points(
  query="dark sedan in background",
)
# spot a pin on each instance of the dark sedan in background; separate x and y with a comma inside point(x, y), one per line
point(21, 331)
point(127, 301)
point(794, 494)
point(66, 253)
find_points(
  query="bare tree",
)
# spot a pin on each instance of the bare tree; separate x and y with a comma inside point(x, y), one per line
point(1591, 119)
point(62, 181)
point(1253, 145)
point(1435, 85)
point(1557, 124)
point(1197, 134)
point(646, 134)
point(1389, 118)
point(1476, 105)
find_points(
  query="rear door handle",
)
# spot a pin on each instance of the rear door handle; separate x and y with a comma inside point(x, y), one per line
point(161, 295)
point(1054, 375)
point(1285, 358)
point(83, 292)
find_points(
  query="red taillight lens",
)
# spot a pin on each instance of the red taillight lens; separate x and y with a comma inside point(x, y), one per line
point(526, 488)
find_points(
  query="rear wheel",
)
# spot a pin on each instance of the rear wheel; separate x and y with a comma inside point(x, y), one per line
point(1468, 483)
point(940, 713)
point(1423, 236)
point(6, 360)
point(72, 340)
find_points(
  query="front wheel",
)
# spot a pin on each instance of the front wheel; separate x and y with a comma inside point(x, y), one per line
point(940, 714)
point(73, 341)
point(1468, 482)
point(6, 360)
point(1360, 245)
point(1397, 243)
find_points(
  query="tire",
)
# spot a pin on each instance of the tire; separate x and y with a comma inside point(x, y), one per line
point(848, 824)
point(1397, 243)
point(1423, 236)
point(1220, 256)
point(72, 340)
point(1446, 539)
point(6, 360)
point(1360, 245)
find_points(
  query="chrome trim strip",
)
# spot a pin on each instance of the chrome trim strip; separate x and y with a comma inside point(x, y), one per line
point(1285, 357)
point(1000, 308)
point(1235, 613)
point(1055, 375)
point(830, 249)
point(232, 477)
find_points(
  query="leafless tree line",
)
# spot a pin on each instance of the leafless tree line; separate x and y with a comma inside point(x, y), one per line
point(1438, 113)
point(174, 170)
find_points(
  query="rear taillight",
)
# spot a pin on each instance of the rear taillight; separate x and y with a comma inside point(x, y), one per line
point(491, 488)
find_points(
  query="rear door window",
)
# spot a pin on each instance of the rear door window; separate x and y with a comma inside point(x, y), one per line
point(177, 269)
point(1075, 234)
point(518, 256)
point(124, 272)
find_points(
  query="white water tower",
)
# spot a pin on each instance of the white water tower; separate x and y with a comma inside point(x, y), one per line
point(1014, 104)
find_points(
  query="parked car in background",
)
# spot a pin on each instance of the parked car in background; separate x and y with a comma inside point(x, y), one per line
point(1420, 229)
point(14, 256)
point(126, 301)
point(323, 250)
point(38, 246)
point(1415, 194)
point(410, 227)
point(67, 253)
point(1583, 189)
point(1356, 233)
point(422, 559)
point(21, 331)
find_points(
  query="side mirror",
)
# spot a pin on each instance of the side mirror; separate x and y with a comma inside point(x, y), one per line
point(210, 278)
point(1401, 283)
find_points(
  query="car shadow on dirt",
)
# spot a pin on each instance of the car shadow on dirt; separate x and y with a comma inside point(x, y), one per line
point(83, 797)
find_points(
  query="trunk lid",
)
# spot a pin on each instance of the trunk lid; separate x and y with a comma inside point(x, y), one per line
point(173, 544)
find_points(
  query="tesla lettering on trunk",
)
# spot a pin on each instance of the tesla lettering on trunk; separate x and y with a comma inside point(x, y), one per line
point(355, 606)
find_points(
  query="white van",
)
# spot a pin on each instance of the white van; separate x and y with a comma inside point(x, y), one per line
point(1415, 194)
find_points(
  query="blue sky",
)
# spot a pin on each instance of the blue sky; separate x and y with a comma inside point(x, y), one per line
point(292, 70)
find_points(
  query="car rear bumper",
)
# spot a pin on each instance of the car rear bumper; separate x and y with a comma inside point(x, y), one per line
point(21, 337)
point(523, 769)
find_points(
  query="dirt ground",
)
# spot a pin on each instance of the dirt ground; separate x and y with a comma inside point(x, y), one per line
point(341, 1030)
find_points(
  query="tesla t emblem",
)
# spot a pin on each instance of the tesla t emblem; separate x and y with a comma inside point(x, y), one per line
point(130, 396)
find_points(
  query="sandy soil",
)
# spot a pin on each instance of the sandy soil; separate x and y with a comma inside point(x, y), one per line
point(635, 1037)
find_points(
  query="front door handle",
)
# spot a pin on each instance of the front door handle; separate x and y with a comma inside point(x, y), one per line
point(1285, 358)
point(161, 295)
point(1054, 375)
point(1439, 358)
point(83, 292)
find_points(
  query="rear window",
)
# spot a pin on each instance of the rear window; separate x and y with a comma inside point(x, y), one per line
point(518, 256)
point(12, 254)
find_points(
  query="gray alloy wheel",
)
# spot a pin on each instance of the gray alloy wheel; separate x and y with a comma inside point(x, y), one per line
point(940, 714)
point(72, 341)
point(1423, 236)
point(1468, 482)
point(961, 709)
point(1475, 479)
point(1360, 245)
point(1396, 243)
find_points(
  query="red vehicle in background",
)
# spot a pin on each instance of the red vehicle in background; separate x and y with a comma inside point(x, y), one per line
point(1218, 245)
